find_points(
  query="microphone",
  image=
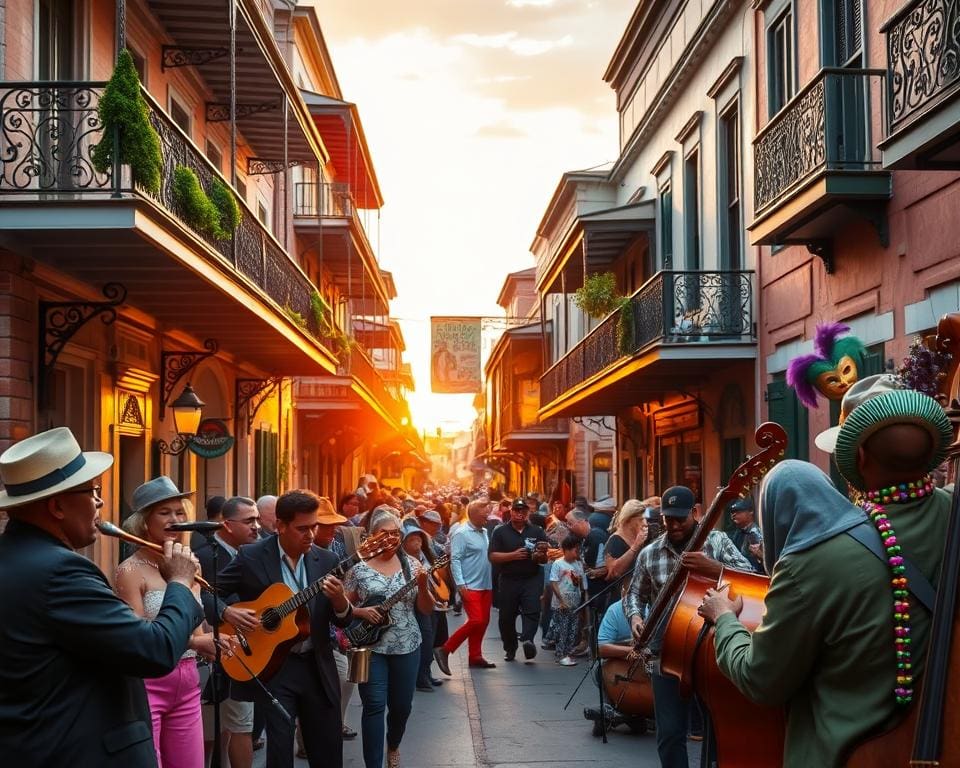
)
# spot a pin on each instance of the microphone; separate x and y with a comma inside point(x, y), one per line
point(207, 526)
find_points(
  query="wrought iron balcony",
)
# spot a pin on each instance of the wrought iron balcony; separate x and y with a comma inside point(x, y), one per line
point(47, 134)
point(325, 199)
point(923, 78)
point(358, 365)
point(671, 308)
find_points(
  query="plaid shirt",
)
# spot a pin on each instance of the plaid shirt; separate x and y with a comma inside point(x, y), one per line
point(657, 560)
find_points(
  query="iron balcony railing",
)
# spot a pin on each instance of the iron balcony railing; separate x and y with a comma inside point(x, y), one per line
point(327, 199)
point(923, 59)
point(825, 127)
point(47, 134)
point(672, 307)
point(361, 367)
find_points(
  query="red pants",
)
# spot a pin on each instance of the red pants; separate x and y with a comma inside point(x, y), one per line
point(476, 602)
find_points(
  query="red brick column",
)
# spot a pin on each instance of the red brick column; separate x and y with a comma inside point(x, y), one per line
point(18, 351)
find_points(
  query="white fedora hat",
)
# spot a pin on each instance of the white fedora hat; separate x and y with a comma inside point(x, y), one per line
point(47, 464)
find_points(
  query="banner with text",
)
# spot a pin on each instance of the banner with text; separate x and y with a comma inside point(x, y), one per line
point(455, 354)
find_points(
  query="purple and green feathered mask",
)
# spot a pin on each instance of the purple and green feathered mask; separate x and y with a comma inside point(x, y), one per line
point(831, 370)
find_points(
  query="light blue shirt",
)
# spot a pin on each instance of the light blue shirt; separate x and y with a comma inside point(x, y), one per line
point(614, 628)
point(295, 577)
point(468, 557)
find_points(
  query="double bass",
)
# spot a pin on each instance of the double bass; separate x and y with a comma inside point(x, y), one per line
point(934, 719)
point(688, 651)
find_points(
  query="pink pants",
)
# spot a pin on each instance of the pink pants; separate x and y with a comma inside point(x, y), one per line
point(476, 602)
point(175, 709)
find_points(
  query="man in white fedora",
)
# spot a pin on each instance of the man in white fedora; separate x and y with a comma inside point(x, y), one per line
point(72, 652)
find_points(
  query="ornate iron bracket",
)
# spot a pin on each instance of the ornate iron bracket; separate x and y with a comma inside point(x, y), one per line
point(218, 112)
point(173, 56)
point(253, 393)
point(175, 365)
point(876, 215)
point(60, 320)
point(176, 446)
point(257, 166)
point(823, 249)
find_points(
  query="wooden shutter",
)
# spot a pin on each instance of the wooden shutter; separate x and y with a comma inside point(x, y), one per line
point(784, 408)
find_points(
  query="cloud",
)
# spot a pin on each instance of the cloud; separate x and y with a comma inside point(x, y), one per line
point(522, 46)
point(501, 130)
point(532, 3)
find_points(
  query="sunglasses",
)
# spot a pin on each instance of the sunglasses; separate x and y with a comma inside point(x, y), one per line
point(90, 488)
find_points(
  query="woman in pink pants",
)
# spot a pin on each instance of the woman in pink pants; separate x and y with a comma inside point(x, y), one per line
point(175, 697)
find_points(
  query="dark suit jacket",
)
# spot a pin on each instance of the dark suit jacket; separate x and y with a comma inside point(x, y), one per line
point(72, 655)
point(257, 566)
point(205, 556)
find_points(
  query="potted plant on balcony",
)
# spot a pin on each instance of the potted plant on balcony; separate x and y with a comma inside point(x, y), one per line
point(599, 297)
point(127, 133)
point(197, 209)
point(340, 343)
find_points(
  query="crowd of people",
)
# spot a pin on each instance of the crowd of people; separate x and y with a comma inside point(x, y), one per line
point(74, 648)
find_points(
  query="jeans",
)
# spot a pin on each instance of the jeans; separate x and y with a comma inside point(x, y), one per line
point(389, 688)
point(477, 604)
point(175, 710)
point(519, 596)
point(672, 714)
point(428, 628)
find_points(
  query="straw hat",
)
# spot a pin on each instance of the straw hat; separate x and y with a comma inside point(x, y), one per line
point(47, 464)
point(327, 515)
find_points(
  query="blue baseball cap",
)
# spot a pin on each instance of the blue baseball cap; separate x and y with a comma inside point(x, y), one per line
point(677, 501)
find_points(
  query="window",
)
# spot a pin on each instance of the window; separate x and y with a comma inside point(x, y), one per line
point(691, 209)
point(780, 62)
point(266, 459)
point(842, 32)
point(666, 227)
point(784, 408)
point(730, 189)
point(139, 63)
point(214, 155)
point(602, 474)
point(263, 213)
point(242, 188)
point(180, 114)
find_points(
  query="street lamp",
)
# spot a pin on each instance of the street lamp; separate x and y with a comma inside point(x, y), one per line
point(187, 410)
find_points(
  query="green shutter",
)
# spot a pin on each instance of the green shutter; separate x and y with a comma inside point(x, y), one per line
point(784, 408)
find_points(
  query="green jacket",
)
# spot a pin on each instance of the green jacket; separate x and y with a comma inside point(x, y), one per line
point(824, 648)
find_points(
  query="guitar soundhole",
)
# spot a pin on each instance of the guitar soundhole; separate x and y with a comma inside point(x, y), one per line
point(270, 619)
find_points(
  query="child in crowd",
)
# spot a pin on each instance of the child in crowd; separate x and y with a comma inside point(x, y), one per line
point(566, 581)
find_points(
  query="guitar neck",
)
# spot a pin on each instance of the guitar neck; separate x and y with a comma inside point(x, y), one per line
point(397, 596)
point(308, 593)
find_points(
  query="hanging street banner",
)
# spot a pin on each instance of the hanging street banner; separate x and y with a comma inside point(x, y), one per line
point(455, 355)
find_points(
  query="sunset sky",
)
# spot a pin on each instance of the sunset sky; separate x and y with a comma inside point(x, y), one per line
point(472, 110)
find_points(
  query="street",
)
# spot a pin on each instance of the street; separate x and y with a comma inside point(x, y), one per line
point(508, 717)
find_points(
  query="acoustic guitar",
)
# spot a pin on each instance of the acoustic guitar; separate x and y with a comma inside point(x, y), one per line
point(439, 584)
point(284, 620)
point(363, 634)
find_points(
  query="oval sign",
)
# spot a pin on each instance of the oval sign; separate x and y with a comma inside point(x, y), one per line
point(213, 439)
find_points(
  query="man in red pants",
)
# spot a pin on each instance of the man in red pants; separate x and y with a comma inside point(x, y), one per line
point(471, 573)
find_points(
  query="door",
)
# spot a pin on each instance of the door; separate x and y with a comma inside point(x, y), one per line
point(784, 408)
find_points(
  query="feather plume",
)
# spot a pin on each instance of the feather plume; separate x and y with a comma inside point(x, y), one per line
point(797, 378)
point(826, 336)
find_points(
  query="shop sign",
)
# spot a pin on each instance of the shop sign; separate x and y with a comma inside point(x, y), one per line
point(213, 439)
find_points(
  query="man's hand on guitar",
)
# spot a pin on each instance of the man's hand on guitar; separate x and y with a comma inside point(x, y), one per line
point(700, 563)
point(636, 625)
point(369, 614)
point(333, 589)
point(241, 618)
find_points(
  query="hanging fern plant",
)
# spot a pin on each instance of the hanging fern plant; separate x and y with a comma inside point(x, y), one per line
point(125, 115)
point(228, 209)
point(626, 342)
point(198, 210)
point(598, 296)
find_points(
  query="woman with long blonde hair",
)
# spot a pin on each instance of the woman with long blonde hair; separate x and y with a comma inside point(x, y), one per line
point(628, 535)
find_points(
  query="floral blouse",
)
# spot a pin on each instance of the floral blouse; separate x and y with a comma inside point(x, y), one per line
point(403, 635)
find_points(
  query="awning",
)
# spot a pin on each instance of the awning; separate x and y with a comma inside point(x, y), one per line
point(339, 125)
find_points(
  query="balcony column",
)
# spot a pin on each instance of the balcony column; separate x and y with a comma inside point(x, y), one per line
point(232, 16)
point(286, 169)
point(121, 28)
point(566, 313)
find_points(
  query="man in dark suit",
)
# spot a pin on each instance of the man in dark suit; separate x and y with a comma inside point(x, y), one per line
point(306, 684)
point(71, 651)
point(240, 526)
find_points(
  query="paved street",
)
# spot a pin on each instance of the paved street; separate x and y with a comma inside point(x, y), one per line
point(508, 717)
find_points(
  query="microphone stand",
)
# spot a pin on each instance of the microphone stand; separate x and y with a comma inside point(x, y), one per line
point(215, 759)
point(596, 650)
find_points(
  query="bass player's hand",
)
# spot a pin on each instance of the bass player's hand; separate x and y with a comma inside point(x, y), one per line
point(636, 626)
point(241, 618)
point(369, 614)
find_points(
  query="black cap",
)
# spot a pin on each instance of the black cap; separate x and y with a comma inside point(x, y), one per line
point(519, 504)
point(677, 501)
point(741, 505)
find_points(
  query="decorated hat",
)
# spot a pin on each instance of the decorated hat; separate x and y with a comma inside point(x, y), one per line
point(46, 464)
point(832, 368)
point(877, 402)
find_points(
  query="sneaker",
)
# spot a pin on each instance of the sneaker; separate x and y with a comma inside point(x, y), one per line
point(510, 655)
point(567, 661)
point(529, 650)
point(442, 656)
point(349, 733)
point(548, 645)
